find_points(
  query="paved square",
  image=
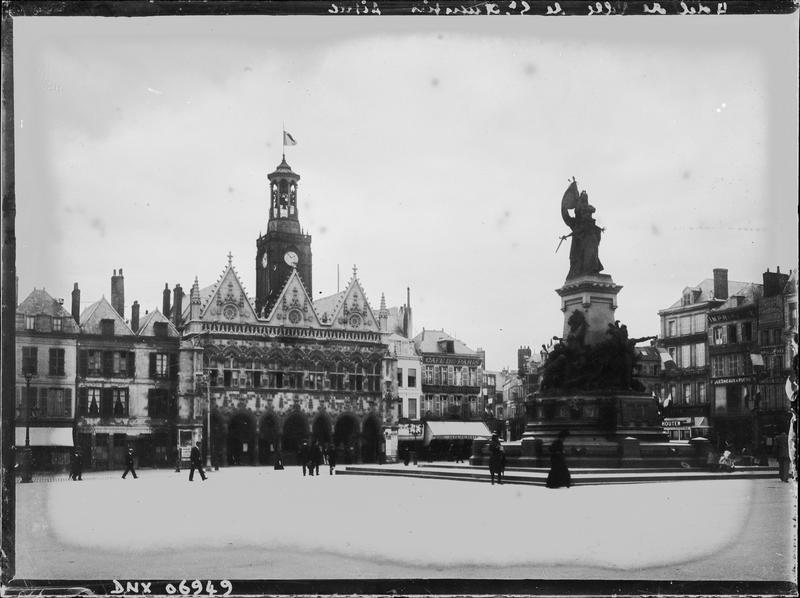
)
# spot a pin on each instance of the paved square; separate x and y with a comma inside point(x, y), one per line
point(264, 524)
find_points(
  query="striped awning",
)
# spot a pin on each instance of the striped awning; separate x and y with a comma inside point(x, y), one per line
point(454, 430)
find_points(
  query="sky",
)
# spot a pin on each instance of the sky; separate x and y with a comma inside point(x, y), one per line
point(433, 154)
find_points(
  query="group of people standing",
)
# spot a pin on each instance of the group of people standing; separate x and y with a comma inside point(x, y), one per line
point(558, 477)
point(311, 456)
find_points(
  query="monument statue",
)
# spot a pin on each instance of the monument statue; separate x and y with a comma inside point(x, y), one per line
point(583, 254)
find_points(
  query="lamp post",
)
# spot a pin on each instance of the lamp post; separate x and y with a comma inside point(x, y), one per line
point(207, 381)
point(416, 430)
point(26, 452)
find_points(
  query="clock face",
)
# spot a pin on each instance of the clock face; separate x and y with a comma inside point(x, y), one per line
point(290, 257)
point(264, 260)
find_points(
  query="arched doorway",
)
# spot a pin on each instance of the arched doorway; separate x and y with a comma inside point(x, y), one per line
point(295, 431)
point(242, 440)
point(370, 440)
point(345, 437)
point(321, 430)
point(267, 439)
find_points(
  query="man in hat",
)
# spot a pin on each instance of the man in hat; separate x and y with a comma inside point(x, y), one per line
point(197, 463)
point(129, 465)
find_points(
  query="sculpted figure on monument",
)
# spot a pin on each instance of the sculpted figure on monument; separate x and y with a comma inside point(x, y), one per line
point(583, 254)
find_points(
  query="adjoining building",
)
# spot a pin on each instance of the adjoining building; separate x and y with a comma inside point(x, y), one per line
point(46, 341)
point(451, 385)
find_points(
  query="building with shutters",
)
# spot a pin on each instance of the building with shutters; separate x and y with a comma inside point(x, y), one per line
point(126, 384)
point(46, 341)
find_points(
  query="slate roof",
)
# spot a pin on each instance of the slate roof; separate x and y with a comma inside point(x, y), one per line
point(327, 306)
point(706, 288)
point(102, 310)
point(146, 324)
point(427, 342)
point(39, 302)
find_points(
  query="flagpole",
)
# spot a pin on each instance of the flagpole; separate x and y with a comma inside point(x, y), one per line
point(283, 141)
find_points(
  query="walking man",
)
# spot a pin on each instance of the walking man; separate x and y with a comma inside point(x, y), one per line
point(331, 458)
point(782, 453)
point(197, 463)
point(303, 456)
point(129, 464)
point(77, 466)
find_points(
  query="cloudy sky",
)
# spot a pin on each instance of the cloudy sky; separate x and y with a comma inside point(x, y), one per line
point(433, 154)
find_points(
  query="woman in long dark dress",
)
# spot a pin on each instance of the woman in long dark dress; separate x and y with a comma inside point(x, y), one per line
point(559, 474)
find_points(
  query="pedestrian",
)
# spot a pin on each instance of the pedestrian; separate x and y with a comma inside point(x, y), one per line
point(331, 458)
point(406, 455)
point(315, 456)
point(303, 455)
point(782, 453)
point(197, 463)
point(496, 455)
point(559, 473)
point(726, 461)
point(278, 461)
point(129, 464)
point(451, 452)
point(78, 465)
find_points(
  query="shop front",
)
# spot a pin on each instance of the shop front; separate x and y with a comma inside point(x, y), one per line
point(51, 447)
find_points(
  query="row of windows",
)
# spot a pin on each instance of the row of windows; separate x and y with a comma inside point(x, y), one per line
point(30, 361)
point(691, 393)
point(443, 405)
point(295, 380)
point(103, 402)
point(689, 356)
point(411, 381)
point(684, 325)
point(44, 323)
point(732, 333)
point(451, 375)
point(43, 402)
point(735, 364)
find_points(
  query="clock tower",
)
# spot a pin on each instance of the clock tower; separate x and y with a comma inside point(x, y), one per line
point(285, 246)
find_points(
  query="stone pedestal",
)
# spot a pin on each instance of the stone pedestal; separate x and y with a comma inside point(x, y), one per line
point(596, 296)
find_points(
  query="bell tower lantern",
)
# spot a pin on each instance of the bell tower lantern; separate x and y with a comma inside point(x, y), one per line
point(285, 246)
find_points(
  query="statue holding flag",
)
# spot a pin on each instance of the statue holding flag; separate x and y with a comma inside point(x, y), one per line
point(583, 254)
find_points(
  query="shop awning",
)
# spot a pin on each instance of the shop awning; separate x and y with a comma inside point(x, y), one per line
point(454, 430)
point(45, 436)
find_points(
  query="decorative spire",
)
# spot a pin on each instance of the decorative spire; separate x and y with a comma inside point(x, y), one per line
point(355, 271)
point(383, 302)
point(194, 294)
point(230, 258)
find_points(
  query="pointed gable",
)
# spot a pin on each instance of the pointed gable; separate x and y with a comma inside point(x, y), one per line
point(353, 311)
point(40, 303)
point(100, 311)
point(228, 301)
point(294, 307)
point(147, 327)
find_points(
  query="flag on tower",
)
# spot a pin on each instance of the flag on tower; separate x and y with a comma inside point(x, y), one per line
point(288, 139)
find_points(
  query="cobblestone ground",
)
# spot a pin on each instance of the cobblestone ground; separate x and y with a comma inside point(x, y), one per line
point(260, 523)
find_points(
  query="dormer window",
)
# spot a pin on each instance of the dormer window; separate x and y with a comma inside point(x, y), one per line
point(30, 322)
point(58, 324)
point(160, 329)
point(107, 327)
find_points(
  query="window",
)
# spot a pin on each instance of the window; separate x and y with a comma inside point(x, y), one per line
point(701, 393)
point(56, 367)
point(227, 377)
point(160, 329)
point(732, 333)
point(428, 379)
point(120, 399)
point(673, 353)
point(412, 377)
point(107, 327)
point(94, 363)
point(700, 355)
point(437, 374)
point(412, 408)
point(159, 365)
point(686, 356)
point(457, 377)
point(718, 333)
point(400, 377)
point(30, 322)
point(685, 325)
point(450, 374)
point(793, 315)
point(699, 322)
point(671, 326)
point(58, 324)
point(57, 402)
point(29, 360)
point(687, 394)
point(119, 365)
point(747, 332)
point(93, 402)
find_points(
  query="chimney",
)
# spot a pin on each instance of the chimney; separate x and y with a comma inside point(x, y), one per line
point(76, 303)
point(118, 293)
point(720, 283)
point(408, 324)
point(135, 317)
point(177, 303)
point(774, 282)
point(165, 303)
